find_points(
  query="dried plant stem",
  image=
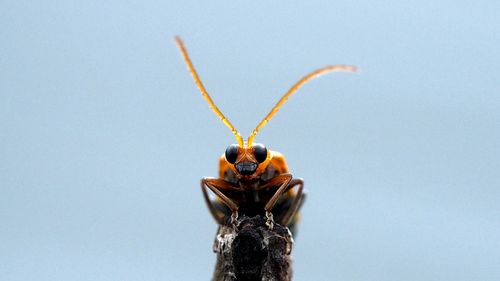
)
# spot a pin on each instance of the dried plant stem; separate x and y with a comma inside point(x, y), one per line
point(252, 251)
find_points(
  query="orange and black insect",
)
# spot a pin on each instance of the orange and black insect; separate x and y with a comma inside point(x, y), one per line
point(254, 180)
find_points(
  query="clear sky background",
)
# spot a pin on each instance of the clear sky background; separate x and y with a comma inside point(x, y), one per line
point(104, 136)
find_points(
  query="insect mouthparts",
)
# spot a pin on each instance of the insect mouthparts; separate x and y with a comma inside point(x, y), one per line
point(246, 168)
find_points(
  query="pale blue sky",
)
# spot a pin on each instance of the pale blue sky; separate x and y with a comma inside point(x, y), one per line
point(104, 137)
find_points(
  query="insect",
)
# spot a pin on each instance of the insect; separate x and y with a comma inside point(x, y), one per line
point(254, 180)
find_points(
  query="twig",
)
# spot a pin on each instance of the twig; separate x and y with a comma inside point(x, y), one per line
point(252, 251)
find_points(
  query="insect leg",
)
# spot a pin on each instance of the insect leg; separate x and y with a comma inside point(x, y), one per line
point(284, 180)
point(216, 185)
point(296, 201)
point(276, 181)
point(216, 214)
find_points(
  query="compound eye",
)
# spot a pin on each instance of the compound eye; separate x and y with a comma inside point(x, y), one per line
point(232, 153)
point(260, 152)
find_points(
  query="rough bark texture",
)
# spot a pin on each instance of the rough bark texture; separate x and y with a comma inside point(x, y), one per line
point(251, 251)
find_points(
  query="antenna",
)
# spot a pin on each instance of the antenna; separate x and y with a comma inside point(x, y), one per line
point(204, 92)
point(304, 80)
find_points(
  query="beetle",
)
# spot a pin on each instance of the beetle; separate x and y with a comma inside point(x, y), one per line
point(253, 180)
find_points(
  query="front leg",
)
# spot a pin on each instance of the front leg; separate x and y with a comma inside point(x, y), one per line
point(217, 186)
point(284, 181)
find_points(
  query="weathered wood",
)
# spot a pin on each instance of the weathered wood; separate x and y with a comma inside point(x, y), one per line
point(251, 251)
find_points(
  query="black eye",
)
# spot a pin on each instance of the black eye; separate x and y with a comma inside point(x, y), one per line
point(232, 153)
point(260, 152)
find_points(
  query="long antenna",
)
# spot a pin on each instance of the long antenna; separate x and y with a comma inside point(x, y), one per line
point(204, 92)
point(305, 79)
